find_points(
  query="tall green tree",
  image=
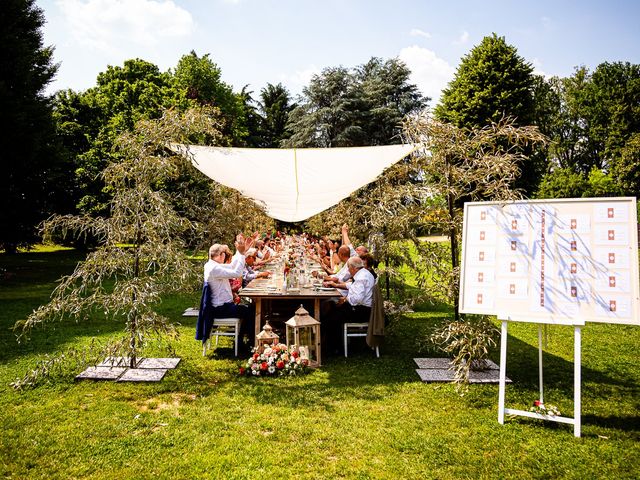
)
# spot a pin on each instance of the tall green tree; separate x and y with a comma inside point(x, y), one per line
point(349, 108)
point(493, 82)
point(274, 108)
point(126, 282)
point(200, 79)
point(88, 122)
point(32, 183)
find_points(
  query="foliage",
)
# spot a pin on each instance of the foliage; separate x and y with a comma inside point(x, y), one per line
point(141, 255)
point(469, 342)
point(274, 108)
point(276, 360)
point(344, 108)
point(625, 169)
point(32, 184)
point(89, 122)
point(199, 79)
point(491, 83)
point(566, 183)
point(562, 183)
point(460, 164)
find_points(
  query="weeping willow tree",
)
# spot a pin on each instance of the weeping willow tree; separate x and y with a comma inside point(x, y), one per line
point(459, 165)
point(142, 249)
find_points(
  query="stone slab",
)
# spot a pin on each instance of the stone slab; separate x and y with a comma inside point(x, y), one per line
point(166, 363)
point(143, 375)
point(117, 362)
point(429, 363)
point(101, 373)
point(446, 375)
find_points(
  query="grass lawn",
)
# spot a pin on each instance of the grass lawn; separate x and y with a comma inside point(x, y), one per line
point(359, 417)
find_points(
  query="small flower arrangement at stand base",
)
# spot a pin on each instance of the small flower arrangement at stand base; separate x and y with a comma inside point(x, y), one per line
point(547, 410)
point(275, 360)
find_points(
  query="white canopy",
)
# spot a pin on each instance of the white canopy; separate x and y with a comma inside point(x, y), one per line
point(295, 184)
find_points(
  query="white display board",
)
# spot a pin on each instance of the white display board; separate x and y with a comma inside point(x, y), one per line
point(552, 261)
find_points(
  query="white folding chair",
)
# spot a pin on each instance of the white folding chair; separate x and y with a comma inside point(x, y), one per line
point(223, 327)
point(357, 329)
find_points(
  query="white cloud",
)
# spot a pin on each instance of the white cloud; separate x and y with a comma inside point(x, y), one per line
point(416, 32)
point(537, 67)
point(115, 26)
point(429, 72)
point(462, 39)
point(297, 81)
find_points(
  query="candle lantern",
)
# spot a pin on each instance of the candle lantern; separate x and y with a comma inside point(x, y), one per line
point(266, 338)
point(304, 331)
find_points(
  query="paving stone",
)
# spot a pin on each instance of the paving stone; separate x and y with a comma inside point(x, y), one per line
point(143, 375)
point(117, 362)
point(101, 373)
point(447, 375)
point(159, 363)
point(440, 363)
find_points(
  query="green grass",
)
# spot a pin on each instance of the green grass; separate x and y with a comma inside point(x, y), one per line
point(355, 418)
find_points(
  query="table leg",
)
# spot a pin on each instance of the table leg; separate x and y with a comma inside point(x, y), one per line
point(316, 308)
point(257, 325)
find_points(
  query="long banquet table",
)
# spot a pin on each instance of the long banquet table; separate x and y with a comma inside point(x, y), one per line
point(264, 289)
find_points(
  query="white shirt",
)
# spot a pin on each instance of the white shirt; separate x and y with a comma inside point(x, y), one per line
point(361, 289)
point(217, 275)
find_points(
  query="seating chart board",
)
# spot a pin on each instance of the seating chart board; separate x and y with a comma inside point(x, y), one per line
point(552, 261)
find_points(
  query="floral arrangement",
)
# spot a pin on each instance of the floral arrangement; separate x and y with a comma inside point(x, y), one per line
point(274, 360)
point(546, 410)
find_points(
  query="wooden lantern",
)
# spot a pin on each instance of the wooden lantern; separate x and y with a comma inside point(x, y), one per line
point(303, 331)
point(266, 338)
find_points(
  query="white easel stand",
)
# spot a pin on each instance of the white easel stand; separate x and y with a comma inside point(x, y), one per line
point(577, 380)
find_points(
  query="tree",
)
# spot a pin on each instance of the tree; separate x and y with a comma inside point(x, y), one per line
point(274, 109)
point(200, 79)
point(90, 121)
point(141, 249)
point(493, 82)
point(33, 182)
point(326, 117)
point(468, 163)
point(625, 169)
point(344, 108)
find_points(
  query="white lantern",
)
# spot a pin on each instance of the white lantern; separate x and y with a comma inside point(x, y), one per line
point(304, 332)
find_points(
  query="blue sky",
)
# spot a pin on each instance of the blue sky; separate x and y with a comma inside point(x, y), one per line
point(256, 42)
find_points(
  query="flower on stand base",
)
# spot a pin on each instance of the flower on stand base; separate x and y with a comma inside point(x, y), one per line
point(547, 410)
point(275, 360)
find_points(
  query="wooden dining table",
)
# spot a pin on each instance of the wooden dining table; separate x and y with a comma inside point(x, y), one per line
point(262, 289)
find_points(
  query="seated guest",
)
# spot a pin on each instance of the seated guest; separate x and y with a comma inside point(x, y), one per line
point(370, 263)
point(356, 305)
point(217, 275)
point(344, 253)
point(359, 250)
point(249, 274)
point(236, 283)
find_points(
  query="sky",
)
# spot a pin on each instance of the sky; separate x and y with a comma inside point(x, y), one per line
point(255, 42)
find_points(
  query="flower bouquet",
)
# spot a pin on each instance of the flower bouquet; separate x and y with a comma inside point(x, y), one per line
point(275, 360)
point(545, 410)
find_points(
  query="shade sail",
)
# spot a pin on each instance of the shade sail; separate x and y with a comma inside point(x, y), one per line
point(295, 184)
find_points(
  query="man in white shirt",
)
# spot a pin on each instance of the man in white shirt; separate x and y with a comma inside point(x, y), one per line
point(217, 275)
point(356, 305)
